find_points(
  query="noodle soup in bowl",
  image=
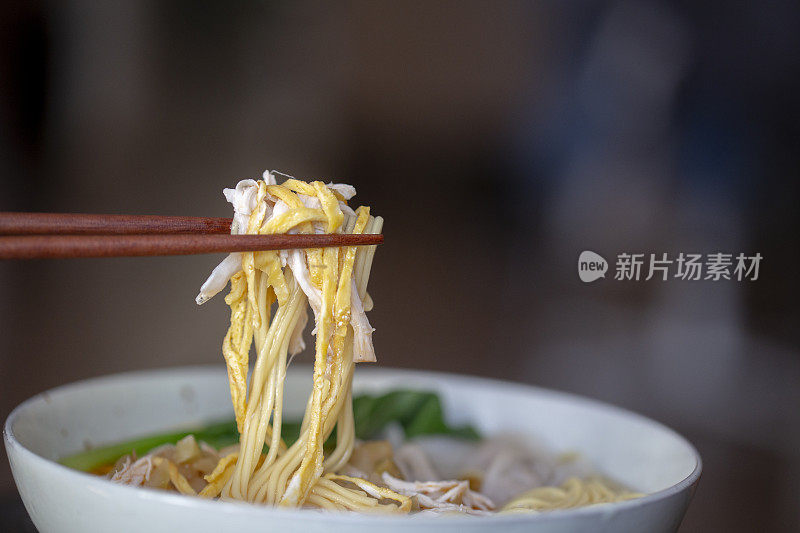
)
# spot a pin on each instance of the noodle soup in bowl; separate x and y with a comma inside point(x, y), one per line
point(634, 451)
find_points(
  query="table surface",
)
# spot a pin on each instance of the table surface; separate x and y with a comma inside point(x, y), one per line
point(13, 516)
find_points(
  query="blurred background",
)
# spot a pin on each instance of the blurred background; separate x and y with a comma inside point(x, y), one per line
point(534, 130)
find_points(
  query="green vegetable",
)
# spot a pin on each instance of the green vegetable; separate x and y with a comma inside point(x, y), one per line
point(218, 434)
point(417, 412)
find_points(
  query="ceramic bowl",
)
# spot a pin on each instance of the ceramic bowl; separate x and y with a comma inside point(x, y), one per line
point(642, 454)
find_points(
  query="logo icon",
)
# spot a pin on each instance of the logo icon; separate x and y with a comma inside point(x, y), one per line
point(591, 266)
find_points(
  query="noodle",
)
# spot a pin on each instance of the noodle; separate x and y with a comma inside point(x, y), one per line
point(572, 493)
point(268, 299)
point(175, 477)
point(333, 281)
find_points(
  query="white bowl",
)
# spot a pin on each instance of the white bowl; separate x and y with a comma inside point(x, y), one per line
point(634, 450)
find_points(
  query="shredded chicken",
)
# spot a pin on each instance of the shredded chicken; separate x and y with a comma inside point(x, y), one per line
point(243, 200)
point(442, 496)
point(134, 473)
point(414, 463)
point(363, 350)
point(506, 468)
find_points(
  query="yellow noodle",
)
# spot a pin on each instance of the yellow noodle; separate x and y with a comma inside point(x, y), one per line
point(572, 493)
point(290, 476)
point(175, 477)
point(404, 502)
point(302, 475)
point(216, 480)
point(323, 503)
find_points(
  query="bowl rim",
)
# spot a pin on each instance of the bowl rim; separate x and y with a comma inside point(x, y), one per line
point(263, 512)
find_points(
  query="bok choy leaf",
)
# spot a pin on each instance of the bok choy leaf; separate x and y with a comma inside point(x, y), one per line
point(417, 412)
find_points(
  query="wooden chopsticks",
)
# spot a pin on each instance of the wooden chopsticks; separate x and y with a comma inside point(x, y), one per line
point(90, 224)
point(59, 236)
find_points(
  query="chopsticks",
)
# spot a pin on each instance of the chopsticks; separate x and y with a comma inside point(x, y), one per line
point(48, 236)
point(88, 224)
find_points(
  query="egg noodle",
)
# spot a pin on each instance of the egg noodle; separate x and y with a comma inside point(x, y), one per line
point(572, 493)
point(269, 295)
point(333, 281)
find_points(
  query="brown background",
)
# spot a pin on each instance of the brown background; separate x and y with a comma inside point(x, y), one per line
point(498, 139)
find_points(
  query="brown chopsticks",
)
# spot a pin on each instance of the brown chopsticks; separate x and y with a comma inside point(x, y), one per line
point(67, 246)
point(91, 224)
point(57, 236)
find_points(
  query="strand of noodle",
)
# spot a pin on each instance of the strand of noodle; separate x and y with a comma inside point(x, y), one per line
point(278, 413)
point(265, 486)
point(331, 254)
point(345, 438)
point(324, 503)
point(273, 350)
point(355, 499)
point(573, 492)
point(278, 476)
point(253, 446)
point(345, 428)
point(361, 255)
point(336, 412)
point(248, 258)
point(276, 443)
point(330, 404)
point(304, 423)
point(349, 224)
point(237, 301)
point(260, 333)
point(247, 339)
point(245, 463)
point(599, 492)
point(217, 479)
point(263, 361)
point(345, 431)
point(175, 477)
point(265, 371)
point(278, 473)
point(344, 496)
point(236, 345)
point(251, 442)
point(338, 376)
point(311, 465)
point(282, 479)
point(369, 256)
point(331, 501)
point(270, 480)
point(348, 497)
point(404, 502)
point(281, 350)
